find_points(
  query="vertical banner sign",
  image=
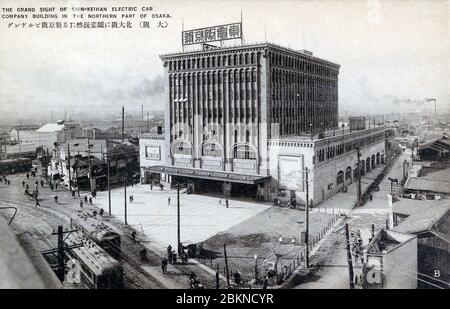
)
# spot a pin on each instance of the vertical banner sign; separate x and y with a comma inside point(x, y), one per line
point(290, 172)
point(212, 34)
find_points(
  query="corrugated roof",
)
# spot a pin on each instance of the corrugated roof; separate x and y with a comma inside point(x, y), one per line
point(428, 184)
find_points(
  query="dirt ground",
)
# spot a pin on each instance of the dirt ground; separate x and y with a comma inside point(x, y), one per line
point(259, 236)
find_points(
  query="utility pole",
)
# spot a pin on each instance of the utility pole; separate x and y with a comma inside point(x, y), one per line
point(76, 175)
point(61, 250)
point(142, 118)
point(178, 219)
point(307, 219)
point(226, 263)
point(47, 158)
point(358, 175)
point(125, 195)
point(70, 177)
point(90, 167)
point(61, 262)
point(109, 183)
point(349, 257)
point(123, 124)
point(148, 122)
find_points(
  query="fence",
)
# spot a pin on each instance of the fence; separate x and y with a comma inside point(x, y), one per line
point(318, 237)
point(287, 270)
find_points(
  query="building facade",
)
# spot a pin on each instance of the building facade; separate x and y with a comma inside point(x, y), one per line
point(390, 261)
point(59, 132)
point(25, 134)
point(151, 153)
point(249, 120)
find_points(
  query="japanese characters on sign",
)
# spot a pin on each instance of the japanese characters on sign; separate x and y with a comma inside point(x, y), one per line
point(212, 34)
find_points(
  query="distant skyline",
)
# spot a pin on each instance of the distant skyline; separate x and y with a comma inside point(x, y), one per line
point(393, 54)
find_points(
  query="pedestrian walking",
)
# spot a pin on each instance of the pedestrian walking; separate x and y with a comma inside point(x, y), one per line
point(23, 183)
point(56, 185)
point(56, 199)
point(226, 202)
point(101, 212)
point(81, 204)
point(168, 201)
point(90, 200)
point(9, 182)
point(131, 198)
point(42, 183)
point(133, 236)
point(164, 264)
point(217, 280)
point(265, 283)
point(37, 203)
point(28, 176)
point(85, 199)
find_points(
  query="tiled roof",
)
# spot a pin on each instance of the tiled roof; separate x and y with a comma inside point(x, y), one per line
point(428, 184)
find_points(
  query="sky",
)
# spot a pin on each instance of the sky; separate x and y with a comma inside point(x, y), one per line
point(393, 54)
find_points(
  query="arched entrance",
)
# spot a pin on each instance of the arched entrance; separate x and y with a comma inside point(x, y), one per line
point(348, 174)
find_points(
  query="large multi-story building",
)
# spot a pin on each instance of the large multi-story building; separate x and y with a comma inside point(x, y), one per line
point(250, 119)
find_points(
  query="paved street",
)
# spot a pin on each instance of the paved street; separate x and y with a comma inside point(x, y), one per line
point(201, 216)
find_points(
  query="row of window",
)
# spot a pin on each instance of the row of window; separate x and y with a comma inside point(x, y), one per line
point(213, 77)
point(330, 152)
point(302, 65)
point(208, 62)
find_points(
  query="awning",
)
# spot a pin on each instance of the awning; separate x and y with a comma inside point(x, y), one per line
point(208, 174)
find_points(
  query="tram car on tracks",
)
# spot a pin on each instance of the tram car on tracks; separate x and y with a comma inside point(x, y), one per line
point(96, 268)
point(12, 166)
point(97, 231)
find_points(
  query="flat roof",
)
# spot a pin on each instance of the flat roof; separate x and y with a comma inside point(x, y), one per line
point(306, 138)
point(208, 174)
point(301, 53)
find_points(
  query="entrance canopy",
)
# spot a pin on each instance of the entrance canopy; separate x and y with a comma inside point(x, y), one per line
point(207, 174)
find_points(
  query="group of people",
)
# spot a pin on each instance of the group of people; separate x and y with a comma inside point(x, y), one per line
point(160, 185)
point(5, 180)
